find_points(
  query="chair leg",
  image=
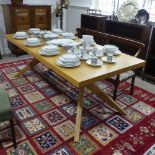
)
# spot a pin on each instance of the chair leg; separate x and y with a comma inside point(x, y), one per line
point(116, 87)
point(13, 133)
point(132, 84)
point(115, 92)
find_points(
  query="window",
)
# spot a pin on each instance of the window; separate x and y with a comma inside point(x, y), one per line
point(109, 7)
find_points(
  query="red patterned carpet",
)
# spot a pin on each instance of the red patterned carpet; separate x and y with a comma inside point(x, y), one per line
point(45, 117)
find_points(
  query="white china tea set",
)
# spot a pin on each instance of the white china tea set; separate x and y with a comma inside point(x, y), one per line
point(85, 49)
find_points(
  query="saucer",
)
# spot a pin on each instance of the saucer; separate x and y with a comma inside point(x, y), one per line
point(70, 44)
point(116, 53)
point(33, 45)
point(110, 48)
point(50, 48)
point(20, 37)
point(105, 60)
point(68, 35)
point(67, 65)
point(99, 63)
point(85, 57)
point(44, 53)
point(68, 61)
point(50, 36)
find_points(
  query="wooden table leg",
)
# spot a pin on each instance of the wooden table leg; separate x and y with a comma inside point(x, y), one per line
point(78, 116)
point(28, 67)
point(106, 98)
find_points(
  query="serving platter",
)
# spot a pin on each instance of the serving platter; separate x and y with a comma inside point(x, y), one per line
point(127, 10)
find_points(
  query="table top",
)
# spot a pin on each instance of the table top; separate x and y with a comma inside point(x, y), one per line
point(84, 74)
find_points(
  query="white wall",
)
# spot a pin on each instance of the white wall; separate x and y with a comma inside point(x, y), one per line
point(73, 15)
point(73, 18)
point(83, 3)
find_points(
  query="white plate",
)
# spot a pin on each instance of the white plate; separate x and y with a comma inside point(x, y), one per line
point(127, 10)
point(68, 61)
point(85, 57)
point(105, 60)
point(68, 35)
point(69, 57)
point(50, 35)
point(44, 53)
point(31, 45)
point(99, 63)
point(59, 63)
point(70, 44)
point(50, 47)
point(16, 37)
point(110, 48)
point(97, 53)
point(57, 31)
point(118, 52)
point(59, 41)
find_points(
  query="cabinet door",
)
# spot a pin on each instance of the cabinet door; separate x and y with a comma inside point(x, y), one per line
point(21, 19)
point(42, 18)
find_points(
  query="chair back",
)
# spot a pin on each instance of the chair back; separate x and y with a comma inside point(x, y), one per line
point(126, 43)
point(99, 37)
point(105, 38)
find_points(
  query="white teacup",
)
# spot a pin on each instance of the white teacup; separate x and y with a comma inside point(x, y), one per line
point(82, 50)
point(109, 57)
point(94, 60)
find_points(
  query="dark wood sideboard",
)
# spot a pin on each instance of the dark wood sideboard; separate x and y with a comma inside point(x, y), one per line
point(132, 30)
point(23, 17)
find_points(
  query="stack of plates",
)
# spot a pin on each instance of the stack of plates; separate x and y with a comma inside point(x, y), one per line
point(20, 35)
point(50, 36)
point(112, 49)
point(68, 60)
point(49, 50)
point(34, 30)
point(88, 39)
point(32, 42)
point(57, 31)
point(68, 35)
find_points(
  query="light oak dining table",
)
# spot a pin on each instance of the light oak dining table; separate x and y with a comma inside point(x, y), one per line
point(81, 76)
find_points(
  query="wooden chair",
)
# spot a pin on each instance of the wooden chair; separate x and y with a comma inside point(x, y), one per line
point(6, 114)
point(120, 78)
point(112, 39)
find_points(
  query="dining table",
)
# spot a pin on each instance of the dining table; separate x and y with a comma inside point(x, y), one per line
point(82, 76)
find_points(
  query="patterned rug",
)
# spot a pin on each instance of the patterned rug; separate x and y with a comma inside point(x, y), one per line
point(44, 107)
